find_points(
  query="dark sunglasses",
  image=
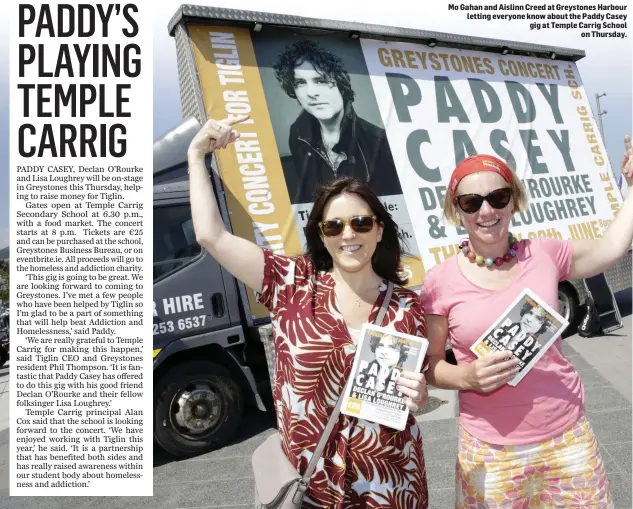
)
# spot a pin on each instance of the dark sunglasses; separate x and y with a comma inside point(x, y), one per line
point(498, 199)
point(360, 224)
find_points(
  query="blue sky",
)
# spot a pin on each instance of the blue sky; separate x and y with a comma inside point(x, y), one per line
point(607, 67)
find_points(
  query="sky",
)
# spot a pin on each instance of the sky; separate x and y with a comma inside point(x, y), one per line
point(605, 69)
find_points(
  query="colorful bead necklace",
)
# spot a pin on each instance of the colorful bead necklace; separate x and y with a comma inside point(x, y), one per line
point(489, 262)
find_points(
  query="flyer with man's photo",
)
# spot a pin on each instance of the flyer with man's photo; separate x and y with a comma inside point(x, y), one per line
point(527, 328)
point(381, 356)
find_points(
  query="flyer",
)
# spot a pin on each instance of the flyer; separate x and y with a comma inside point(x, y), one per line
point(528, 327)
point(381, 356)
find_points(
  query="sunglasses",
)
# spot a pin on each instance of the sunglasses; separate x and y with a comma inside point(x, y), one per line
point(498, 199)
point(360, 224)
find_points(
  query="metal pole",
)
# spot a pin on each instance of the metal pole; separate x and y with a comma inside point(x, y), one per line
point(600, 113)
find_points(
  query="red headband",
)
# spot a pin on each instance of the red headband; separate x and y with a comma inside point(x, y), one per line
point(474, 164)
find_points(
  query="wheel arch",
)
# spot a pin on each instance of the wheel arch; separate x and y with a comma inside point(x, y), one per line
point(210, 352)
point(221, 348)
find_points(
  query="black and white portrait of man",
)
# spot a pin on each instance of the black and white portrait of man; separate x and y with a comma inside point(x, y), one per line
point(328, 139)
point(534, 322)
point(387, 364)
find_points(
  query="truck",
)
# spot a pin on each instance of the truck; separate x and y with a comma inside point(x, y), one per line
point(416, 93)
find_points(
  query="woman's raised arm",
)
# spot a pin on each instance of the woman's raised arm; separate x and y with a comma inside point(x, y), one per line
point(592, 257)
point(242, 258)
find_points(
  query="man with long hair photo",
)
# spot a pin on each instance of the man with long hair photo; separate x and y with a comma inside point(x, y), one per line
point(329, 140)
point(389, 354)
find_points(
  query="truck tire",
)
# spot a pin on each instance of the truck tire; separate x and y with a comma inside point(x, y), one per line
point(568, 307)
point(197, 407)
point(4, 354)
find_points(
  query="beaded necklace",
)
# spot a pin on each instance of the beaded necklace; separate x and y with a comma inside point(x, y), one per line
point(489, 262)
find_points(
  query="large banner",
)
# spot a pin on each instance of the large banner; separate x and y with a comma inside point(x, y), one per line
point(442, 106)
point(400, 116)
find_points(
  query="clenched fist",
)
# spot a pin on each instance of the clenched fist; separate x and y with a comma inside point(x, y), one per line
point(214, 135)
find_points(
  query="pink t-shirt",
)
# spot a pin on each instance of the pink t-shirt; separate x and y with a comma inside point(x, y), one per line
point(550, 398)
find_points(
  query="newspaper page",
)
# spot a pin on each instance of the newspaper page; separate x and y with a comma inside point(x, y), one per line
point(381, 356)
point(432, 101)
point(80, 177)
point(527, 328)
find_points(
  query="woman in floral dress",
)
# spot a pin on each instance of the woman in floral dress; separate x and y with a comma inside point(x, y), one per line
point(318, 304)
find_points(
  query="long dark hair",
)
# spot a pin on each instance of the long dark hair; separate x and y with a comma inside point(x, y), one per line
point(389, 251)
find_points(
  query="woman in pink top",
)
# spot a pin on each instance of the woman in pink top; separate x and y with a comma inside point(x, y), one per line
point(529, 445)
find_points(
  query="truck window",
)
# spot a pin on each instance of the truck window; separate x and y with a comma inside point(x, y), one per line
point(174, 239)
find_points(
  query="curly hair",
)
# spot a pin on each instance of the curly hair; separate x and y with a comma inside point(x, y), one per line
point(386, 259)
point(527, 307)
point(374, 341)
point(324, 62)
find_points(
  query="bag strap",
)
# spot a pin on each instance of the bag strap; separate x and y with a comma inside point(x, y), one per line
point(334, 417)
point(385, 305)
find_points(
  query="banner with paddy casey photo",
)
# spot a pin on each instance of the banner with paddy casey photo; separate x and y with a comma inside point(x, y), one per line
point(400, 116)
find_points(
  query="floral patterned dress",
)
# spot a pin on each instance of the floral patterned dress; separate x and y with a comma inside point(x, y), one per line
point(364, 465)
